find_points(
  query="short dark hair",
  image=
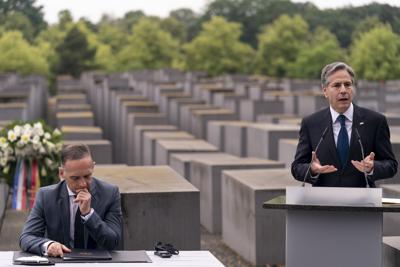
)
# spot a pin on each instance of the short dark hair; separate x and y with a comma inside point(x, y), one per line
point(74, 152)
point(331, 68)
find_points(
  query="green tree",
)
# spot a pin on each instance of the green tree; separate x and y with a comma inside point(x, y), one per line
point(217, 49)
point(189, 19)
point(322, 49)
point(280, 43)
point(149, 47)
point(130, 18)
point(65, 19)
point(375, 55)
point(27, 8)
point(75, 56)
point(111, 34)
point(175, 28)
point(16, 21)
point(365, 26)
point(17, 55)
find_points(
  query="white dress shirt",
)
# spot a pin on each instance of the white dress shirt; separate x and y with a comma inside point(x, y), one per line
point(336, 124)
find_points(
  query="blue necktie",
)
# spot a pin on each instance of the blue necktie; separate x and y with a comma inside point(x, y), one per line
point(343, 140)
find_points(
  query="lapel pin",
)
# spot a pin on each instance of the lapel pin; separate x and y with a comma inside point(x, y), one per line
point(361, 123)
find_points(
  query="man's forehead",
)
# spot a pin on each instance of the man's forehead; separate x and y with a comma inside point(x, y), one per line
point(344, 76)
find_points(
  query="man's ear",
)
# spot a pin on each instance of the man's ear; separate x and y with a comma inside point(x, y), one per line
point(61, 173)
point(324, 91)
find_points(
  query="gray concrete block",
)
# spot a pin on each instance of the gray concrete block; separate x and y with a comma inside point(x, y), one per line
point(75, 119)
point(73, 107)
point(115, 103)
point(395, 140)
point(206, 176)
point(229, 101)
point(235, 138)
point(185, 121)
point(181, 162)
point(263, 139)
point(256, 234)
point(200, 118)
point(101, 149)
point(71, 99)
point(287, 150)
point(166, 98)
point(208, 94)
point(279, 118)
point(3, 198)
point(289, 99)
point(150, 139)
point(164, 148)
point(391, 251)
point(174, 108)
point(393, 119)
point(216, 133)
point(250, 109)
point(127, 124)
point(391, 221)
point(157, 205)
point(13, 111)
point(138, 139)
point(310, 102)
point(134, 120)
point(82, 133)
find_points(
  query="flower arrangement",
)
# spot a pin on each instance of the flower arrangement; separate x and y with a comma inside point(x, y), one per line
point(30, 147)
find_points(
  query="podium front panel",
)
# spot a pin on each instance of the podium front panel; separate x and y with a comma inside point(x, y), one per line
point(333, 238)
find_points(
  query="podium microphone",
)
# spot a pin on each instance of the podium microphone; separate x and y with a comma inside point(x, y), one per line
point(362, 154)
point(316, 149)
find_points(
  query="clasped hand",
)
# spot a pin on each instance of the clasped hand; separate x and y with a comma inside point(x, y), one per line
point(83, 198)
point(365, 165)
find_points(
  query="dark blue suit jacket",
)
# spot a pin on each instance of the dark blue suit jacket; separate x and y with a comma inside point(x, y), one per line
point(50, 218)
point(375, 137)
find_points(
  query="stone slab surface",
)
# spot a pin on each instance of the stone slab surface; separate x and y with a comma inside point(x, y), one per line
point(256, 234)
point(206, 176)
point(150, 139)
point(157, 204)
point(181, 162)
point(164, 148)
point(137, 156)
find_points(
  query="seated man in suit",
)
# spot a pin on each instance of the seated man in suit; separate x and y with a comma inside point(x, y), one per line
point(339, 131)
point(78, 212)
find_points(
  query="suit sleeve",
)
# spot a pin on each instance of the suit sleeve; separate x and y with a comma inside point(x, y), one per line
point(107, 232)
point(302, 157)
point(385, 164)
point(32, 236)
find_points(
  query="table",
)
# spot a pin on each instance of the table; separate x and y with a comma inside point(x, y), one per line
point(184, 259)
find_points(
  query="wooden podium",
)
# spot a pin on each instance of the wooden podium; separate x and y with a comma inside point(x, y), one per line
point(331, 227)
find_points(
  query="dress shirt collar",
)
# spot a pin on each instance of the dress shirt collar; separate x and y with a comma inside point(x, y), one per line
point(70, 193)
point(348, 113)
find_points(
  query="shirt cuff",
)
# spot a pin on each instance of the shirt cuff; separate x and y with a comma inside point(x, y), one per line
point(371, 172)
point(87, 216)
point(315, 176)
point(45, 246)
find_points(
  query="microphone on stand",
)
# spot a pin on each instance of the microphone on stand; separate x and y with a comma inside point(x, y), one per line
point(316, 149)
point(363, 156)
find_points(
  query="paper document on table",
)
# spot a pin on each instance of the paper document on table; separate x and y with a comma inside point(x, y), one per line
point(386, 200)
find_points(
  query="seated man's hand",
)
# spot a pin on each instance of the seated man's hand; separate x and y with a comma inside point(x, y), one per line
point(56, 249)
point(366, 165)
point(317, 168)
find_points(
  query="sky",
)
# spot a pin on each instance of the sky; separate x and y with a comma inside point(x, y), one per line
point(93, 9)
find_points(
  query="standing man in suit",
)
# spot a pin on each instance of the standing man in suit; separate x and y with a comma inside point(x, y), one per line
point(78, 212)
point(341, 129)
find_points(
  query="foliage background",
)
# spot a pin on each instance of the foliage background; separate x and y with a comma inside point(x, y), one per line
point(270, 37)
